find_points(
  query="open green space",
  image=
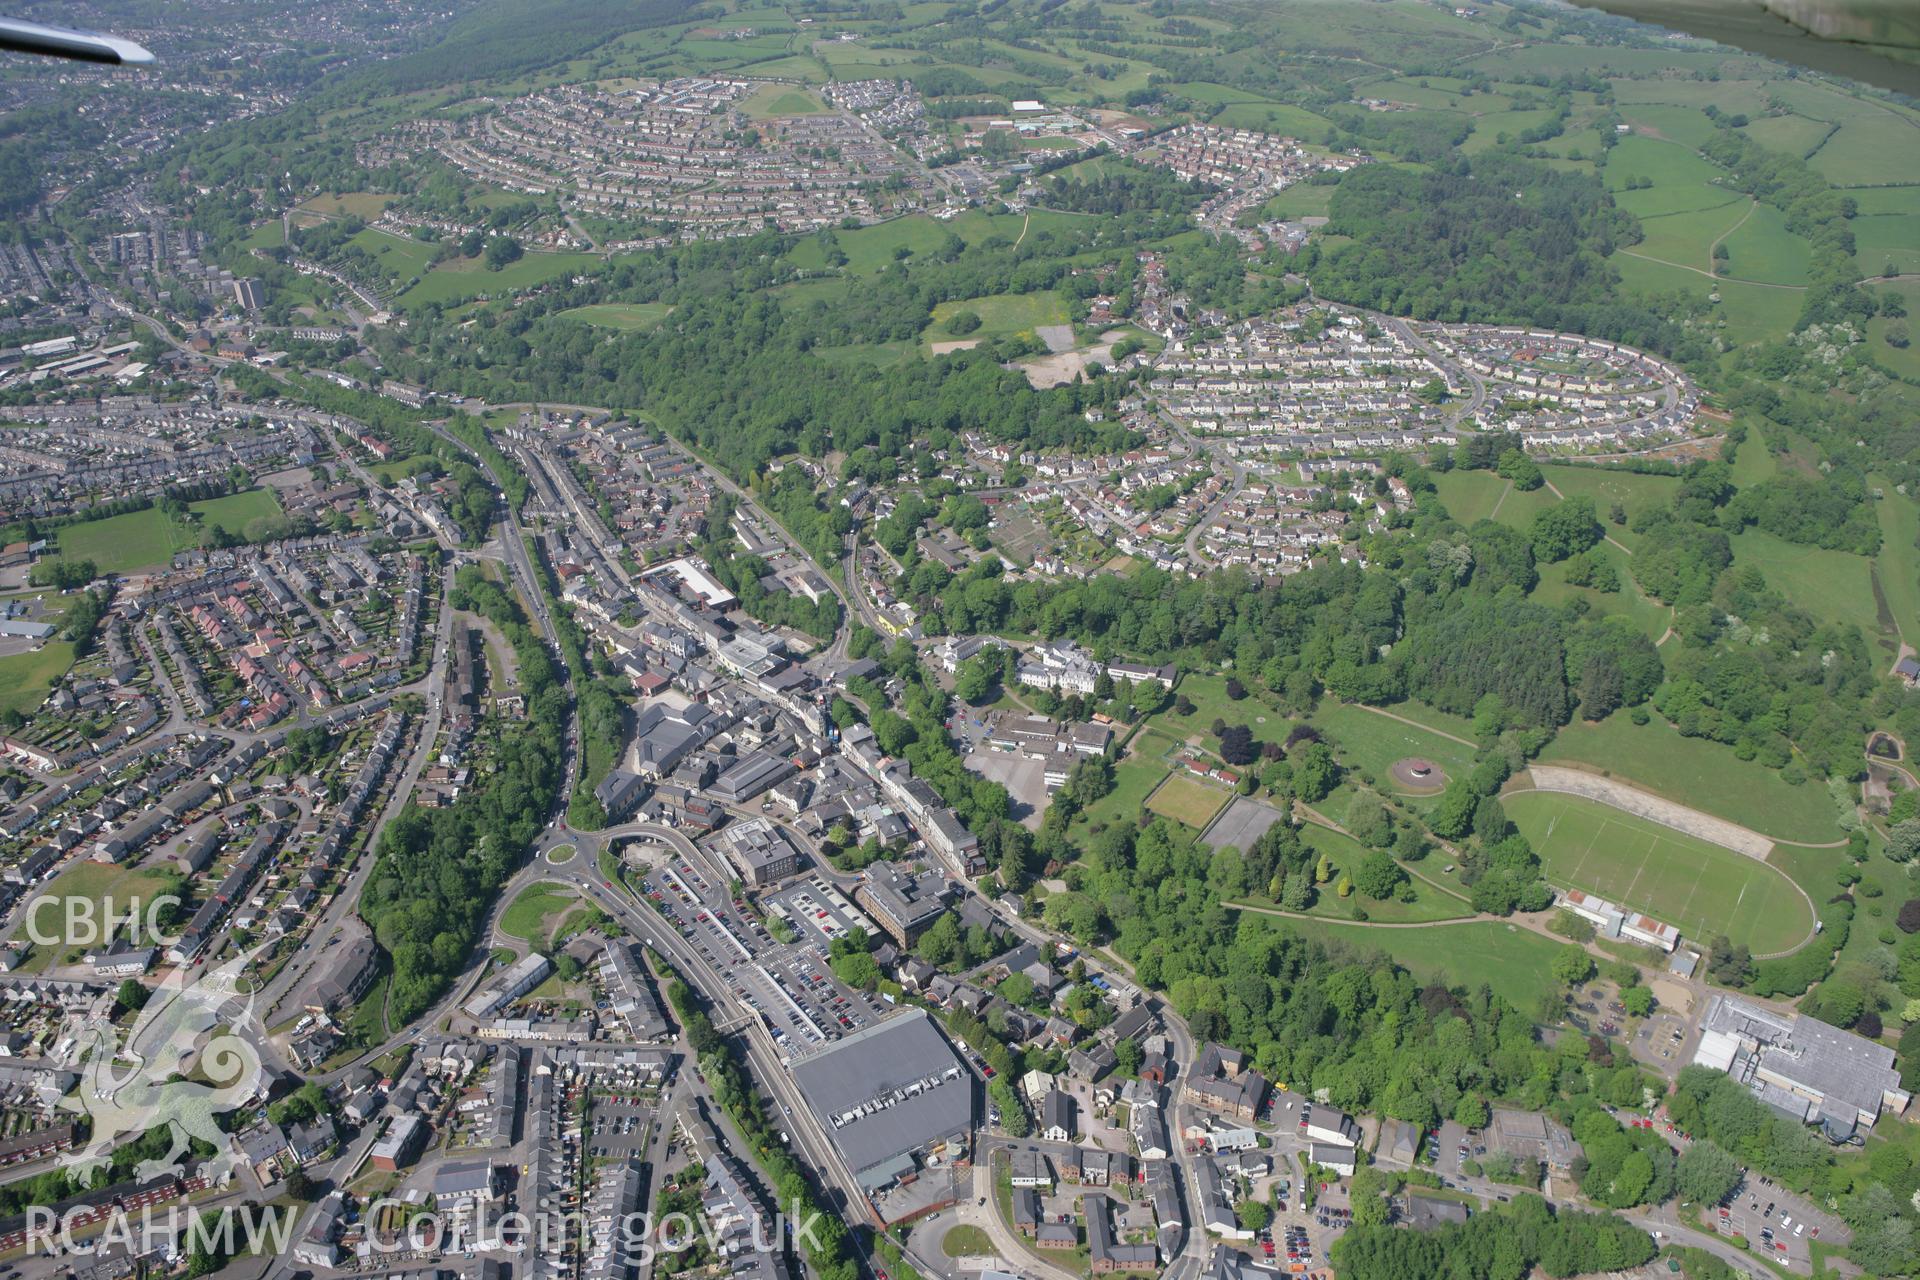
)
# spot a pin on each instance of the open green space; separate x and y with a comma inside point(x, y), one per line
point(1687, 239)
point(1471, 496)
point(112, 891)
point(1902, 361)
point(1831, 585)
point(1763, 250)
point(148, 538)
point(1698, 773)
point(1207, 691)
point(1898, 564)
point(1001, 315)
point(1188, 801)
point(1746, 312)
point(1700, 888)
point(771, 100)
point(1133, 778)
point(461, 278)
point(1795, 135)
point(1748, 97)
point(1301, 200)
point(401, 257)
point(1472, 954)
point(621, 315)
point(366, 205)
point(1608, 485)
point(1887, 240)
point(1685, 125)
point(1346, 853)
point(1372, 742)
point(1647, 614)
point(966, 1241)
point(536, 909)
point(1273, 117)
point(1858, 152)
point(27, 678)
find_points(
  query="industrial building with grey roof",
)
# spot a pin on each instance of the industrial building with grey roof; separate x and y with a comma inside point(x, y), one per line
point(890, 1096)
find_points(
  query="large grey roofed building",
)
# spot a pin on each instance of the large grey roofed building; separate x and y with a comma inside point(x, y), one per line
point(1801, 1066)
point(888, 1094)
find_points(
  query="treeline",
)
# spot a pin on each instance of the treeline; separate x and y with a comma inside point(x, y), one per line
point(1455, 244)
point(1503, 1243)
point(1120, 186)
point(436, 871)
point(828, 1247)
point(1874, 1192)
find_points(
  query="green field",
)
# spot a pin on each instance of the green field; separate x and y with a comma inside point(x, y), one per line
point(113, 891)
point(1132, 780)
point(149, 538)
point(1345, 853)
point(1472, 496)
point(1828, 584)
point(1372, 742)
point(1699, 888)
point(1647, 614)
point(462, 278)
point(1857, 154)
point(1761, 249)
point(1904, 361)
point(1511, 960)
point(365, 205)
point(771, 100)
point(1606, 486)
point(1188, 801)
point(1208, 694)
point(621, 315)
point(536, 909)
point(1898, 564)
point(1693, 771)
point(1888, 239)
point(27, 678)
point(1687, 239)
point(1795, 135)
point(1001, 315)
point(402, 257)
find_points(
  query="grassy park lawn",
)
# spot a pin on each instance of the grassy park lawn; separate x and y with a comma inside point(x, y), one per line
point(621, 315)
point(143, 539)
point(1764, 251)
point(458, 279)
point(771, 100)
point(535, 909)
point(1371, 742)
point(1828, 584)
point(1471, 496)
point(1607, 486)
point(1345, 853)
point(1701, 774)
point(1472, 954)
point(1700, 888)
point(365, 205)
point(1208, 694)
point(1648, 614)
point(1132, 780)
point(965, 1241)
point(1898, 563)
point(401, 256)
point(1187, 801)
point(110, 890)
point(1686, 239)
point(1002, 314)
point(27, 678)
point(1887, 240)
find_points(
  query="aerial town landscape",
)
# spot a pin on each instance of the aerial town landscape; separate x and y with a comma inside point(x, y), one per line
point(853, 640)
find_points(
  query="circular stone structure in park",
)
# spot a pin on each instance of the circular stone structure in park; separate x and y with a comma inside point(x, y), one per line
point(1415, 773)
